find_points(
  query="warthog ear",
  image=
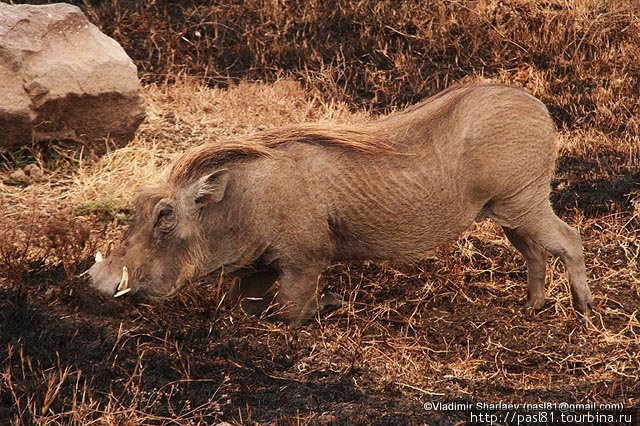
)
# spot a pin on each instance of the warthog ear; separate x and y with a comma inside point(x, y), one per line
point(211, 188)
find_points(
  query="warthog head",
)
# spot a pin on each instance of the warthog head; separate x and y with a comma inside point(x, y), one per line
point(165, 245)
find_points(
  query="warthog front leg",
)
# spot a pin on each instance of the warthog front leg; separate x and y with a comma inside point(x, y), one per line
point(298, 298)
point(251, 291)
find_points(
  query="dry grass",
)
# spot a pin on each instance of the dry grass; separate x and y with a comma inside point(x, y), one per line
point(580, 57)
point(448, 328)
point(179, 115)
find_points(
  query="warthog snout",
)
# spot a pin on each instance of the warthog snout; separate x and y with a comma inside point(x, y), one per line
point(106, 279)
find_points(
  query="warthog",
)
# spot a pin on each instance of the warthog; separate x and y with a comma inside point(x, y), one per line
point(284, 204)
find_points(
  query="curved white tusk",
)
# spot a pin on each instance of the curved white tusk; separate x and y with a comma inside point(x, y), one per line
point(98, 257)
point(123, 287)
point(121, 293)
point(124, 281)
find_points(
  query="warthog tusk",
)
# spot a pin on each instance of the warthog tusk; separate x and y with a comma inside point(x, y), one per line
point(124, 281)
point(122, 292)
point(98, 257)
point(123, 287)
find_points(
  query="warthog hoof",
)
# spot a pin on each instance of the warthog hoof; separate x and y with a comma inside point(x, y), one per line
point(583, 307)
point(329, 301)
point(535, 302)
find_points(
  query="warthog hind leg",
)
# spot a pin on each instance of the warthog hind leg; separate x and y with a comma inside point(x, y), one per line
point(543, 228)
point(536, 259)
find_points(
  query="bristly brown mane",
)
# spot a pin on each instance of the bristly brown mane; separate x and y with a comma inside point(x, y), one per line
point(197, 161)
point(452, 94)
point(374, 138)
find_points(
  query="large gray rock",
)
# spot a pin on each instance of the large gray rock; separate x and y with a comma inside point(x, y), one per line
point(61, 78)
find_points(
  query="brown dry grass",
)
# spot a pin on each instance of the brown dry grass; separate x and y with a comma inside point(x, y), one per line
point(449, 328)
point(386, 53)
point(580, 58)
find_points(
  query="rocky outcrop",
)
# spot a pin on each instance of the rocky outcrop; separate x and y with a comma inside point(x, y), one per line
point(61, 78)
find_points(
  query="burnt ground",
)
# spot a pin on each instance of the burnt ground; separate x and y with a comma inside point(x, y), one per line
point(448, 329)
point(177, 359)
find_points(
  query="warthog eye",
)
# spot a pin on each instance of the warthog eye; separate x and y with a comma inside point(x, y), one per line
point(166, 220)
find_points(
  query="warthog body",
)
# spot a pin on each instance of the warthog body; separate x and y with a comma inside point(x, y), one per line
point(286, 203)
